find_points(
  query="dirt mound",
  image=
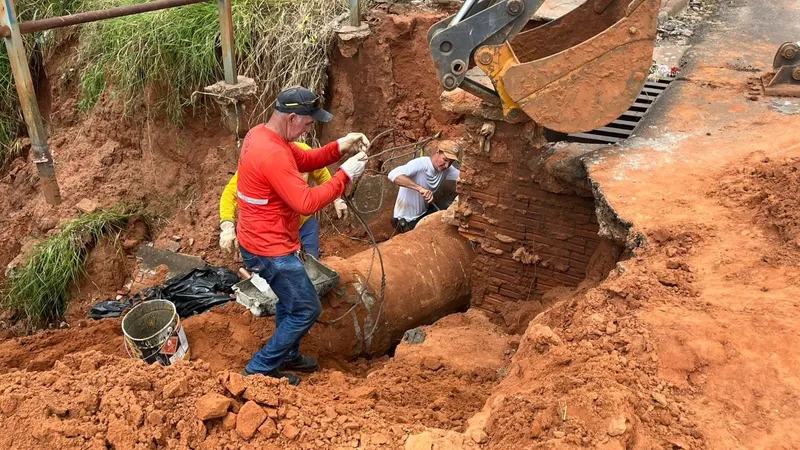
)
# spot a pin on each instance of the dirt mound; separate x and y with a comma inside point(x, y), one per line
point(770, 186)
point(225, 337)
point(94, 400)
point(587, 371)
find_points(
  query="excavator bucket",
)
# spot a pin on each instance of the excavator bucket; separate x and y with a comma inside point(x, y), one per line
point(578, 72)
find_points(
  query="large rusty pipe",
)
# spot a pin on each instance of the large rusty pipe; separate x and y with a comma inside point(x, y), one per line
point(427, 277)
point(93, 16)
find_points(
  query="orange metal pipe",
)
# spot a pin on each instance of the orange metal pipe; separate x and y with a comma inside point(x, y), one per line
point(427, 277)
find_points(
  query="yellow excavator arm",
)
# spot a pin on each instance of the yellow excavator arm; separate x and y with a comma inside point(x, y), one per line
point(573, 74)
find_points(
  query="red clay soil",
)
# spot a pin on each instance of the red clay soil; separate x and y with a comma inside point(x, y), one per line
point(225, 338)
point(771, 188)
point(93, 400)
point(390, 83)
point(689, 344)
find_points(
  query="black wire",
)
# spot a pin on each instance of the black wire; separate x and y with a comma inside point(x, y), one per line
point(377, 250)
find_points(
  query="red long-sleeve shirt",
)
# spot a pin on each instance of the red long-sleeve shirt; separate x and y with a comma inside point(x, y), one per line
point(271, 192)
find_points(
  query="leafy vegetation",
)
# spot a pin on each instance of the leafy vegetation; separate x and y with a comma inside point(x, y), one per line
point(39, 291)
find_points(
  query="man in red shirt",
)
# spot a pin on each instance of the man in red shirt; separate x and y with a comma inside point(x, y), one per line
point(271, 196)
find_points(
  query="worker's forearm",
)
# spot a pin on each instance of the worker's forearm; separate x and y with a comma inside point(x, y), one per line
point(404, 181)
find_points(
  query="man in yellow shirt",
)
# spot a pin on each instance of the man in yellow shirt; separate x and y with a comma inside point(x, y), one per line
point(309, 225)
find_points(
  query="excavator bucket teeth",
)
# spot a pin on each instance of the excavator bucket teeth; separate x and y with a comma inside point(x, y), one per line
point(584, 70)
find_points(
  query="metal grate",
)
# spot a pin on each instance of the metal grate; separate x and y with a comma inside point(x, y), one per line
point(623, 127)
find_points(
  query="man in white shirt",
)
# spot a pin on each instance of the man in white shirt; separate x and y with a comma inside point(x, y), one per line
point(419, 179)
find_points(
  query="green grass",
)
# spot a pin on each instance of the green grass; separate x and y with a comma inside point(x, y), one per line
point(38, 292)
point(173, 53)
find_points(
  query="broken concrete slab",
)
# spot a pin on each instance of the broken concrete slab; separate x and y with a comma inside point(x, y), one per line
point(674, 7)
point(669, 55)
point(560, 168)
point(171, 245)
point(349, 38)
point(177, 263)
point(459, 101)
point(553, 9)
point(244, 88)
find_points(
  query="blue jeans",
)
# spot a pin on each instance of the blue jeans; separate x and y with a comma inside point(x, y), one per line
point(297, 309)
point(309, 236)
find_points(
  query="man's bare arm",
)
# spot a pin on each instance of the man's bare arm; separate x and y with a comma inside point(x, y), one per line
point(406, 182)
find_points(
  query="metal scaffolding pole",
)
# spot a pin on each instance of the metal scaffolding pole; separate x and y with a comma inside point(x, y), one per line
point(30, 108)
point(93, 16)
point(226, 41)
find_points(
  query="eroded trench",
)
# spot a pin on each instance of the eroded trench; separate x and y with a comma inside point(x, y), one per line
point(523, 235)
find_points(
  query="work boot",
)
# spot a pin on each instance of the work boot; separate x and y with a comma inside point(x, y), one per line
point(302, 363)
point(275, 373)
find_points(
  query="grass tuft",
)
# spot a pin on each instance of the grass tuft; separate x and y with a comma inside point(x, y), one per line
point(39, 291)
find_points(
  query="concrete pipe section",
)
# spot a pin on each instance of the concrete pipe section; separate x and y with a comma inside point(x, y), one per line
point(427, 277)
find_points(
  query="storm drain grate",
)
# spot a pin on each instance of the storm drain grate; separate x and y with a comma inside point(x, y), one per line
point(623, 127)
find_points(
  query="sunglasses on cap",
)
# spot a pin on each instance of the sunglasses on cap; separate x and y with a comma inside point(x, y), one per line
point(312, 103)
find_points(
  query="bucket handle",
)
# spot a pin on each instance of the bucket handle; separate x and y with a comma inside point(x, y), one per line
point(144, 358)
point(128, 351)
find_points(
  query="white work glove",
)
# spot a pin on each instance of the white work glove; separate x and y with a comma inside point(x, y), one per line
point(227, 236)
point(354, 166)
point(353, 143)
point(341, 209)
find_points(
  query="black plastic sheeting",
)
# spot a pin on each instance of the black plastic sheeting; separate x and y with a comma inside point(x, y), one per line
point(192, 293)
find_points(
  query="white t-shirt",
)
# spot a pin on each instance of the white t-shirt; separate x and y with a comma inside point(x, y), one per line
point(410, 204)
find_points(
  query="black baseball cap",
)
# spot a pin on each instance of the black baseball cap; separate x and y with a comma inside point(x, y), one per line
point(302, 102)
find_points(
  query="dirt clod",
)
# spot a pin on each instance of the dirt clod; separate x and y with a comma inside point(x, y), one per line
point(176, 388)
point(423, 441)
point(236, 384)
point(363, 392)
point(87, 206)
point(268, 429)
point(479, 436)
point(433, 364)
point(212, 406)
point(660, 399)
point(229, 421)
point(8, 405)
point(249, 419)
point(290, 430)
point(617, 426)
